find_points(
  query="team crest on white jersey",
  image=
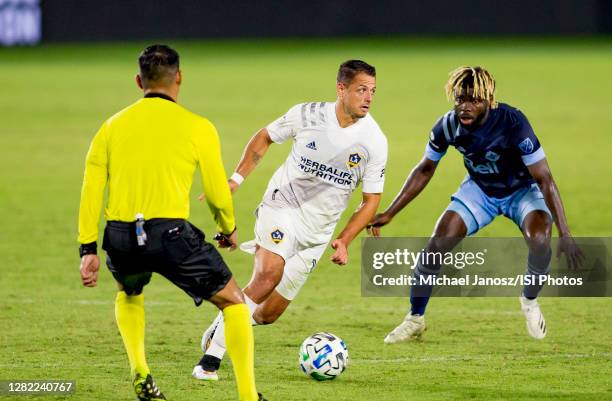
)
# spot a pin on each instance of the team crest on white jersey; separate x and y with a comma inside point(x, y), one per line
point(526, 146)
point(353, 160)
point(277, 236)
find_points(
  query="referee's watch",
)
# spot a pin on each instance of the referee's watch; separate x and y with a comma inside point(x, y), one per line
point(88, 249)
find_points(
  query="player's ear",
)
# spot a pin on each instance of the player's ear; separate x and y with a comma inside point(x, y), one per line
point(179, 77)
point(139, 81)
point(340, 88)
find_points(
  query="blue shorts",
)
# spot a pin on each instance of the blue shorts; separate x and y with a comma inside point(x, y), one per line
point(477, 209)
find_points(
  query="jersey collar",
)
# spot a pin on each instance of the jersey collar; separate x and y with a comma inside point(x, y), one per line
point(161, 95)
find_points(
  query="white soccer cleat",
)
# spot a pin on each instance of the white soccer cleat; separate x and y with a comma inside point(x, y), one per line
point(412, 327)
point(536, 325)
point(201, 374)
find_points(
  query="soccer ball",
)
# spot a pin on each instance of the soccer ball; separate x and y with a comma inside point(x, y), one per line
point(323, 356)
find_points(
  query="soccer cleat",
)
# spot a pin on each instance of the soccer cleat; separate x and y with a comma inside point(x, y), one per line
point(261, 397)
point(207, 368)
point(536, 325)
point(146, 389)
point(201, 374)
point(412, 327)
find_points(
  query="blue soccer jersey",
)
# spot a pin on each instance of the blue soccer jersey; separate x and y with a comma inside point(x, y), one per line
point(495, 154)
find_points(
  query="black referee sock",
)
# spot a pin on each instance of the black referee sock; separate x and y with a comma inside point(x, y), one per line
point(210, 363)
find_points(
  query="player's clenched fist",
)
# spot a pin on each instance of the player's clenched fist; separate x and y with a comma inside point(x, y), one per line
point(340, 257)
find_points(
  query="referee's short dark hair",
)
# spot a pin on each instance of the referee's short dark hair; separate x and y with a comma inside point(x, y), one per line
point(350, 68)
point(158, 64)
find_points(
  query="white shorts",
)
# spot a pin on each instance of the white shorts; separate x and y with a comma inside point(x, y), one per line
point(276, 231)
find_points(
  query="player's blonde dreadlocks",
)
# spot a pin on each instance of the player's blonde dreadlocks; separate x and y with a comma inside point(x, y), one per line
point(472, 77)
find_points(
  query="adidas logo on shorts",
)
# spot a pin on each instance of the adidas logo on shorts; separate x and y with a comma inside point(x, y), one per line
point(312, 145)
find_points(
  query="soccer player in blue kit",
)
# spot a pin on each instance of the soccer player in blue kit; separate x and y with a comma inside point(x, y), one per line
point(507, 174)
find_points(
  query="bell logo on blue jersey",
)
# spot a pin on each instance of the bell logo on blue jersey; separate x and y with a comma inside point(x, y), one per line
point(492, 156)
point(488, 168)
point(353, 160)
point(526, 146)
point(277, 236)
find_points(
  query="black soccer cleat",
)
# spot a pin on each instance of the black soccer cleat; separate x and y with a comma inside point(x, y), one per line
point(146, 389)
point(261, 397)
point(210, 363)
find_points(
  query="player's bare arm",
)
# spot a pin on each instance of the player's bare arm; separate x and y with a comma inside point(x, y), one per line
point(358, 222)
point(253, 153)
point(541, 173)
point(417, 180)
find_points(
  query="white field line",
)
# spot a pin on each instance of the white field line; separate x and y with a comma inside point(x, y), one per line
point(431, 359)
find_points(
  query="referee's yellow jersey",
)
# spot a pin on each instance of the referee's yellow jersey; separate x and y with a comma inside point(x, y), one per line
point(148, 154)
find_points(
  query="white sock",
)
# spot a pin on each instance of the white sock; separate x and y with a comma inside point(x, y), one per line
point(252, 306)
point(217, 345)
point(528, 302)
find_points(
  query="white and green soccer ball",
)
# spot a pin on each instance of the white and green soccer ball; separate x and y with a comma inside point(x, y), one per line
point(323, 356)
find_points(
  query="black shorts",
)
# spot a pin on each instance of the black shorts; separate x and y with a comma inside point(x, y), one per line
point(175, 249)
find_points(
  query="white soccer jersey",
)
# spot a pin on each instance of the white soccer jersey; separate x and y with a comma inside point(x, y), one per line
point(326, 164)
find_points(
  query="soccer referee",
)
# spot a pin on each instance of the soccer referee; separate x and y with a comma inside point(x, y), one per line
point(148, 153)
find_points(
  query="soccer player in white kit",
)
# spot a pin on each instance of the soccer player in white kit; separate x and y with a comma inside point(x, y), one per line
point(336, 146)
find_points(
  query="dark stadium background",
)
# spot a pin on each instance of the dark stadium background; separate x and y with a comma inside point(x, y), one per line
point(75, 20)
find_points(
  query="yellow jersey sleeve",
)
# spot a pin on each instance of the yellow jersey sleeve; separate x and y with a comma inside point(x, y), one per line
point(92, 192)
point(214, 179)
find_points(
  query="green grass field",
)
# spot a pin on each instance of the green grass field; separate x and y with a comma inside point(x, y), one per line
point(53, 99)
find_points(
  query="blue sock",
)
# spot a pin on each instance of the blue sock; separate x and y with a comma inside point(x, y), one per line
point(537, 266)
point(419, 294)
point(418, 305)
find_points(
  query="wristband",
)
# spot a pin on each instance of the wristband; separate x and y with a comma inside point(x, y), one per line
point(88, 249)
point(224, 238)
point(237, 178)
point(230, 234)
